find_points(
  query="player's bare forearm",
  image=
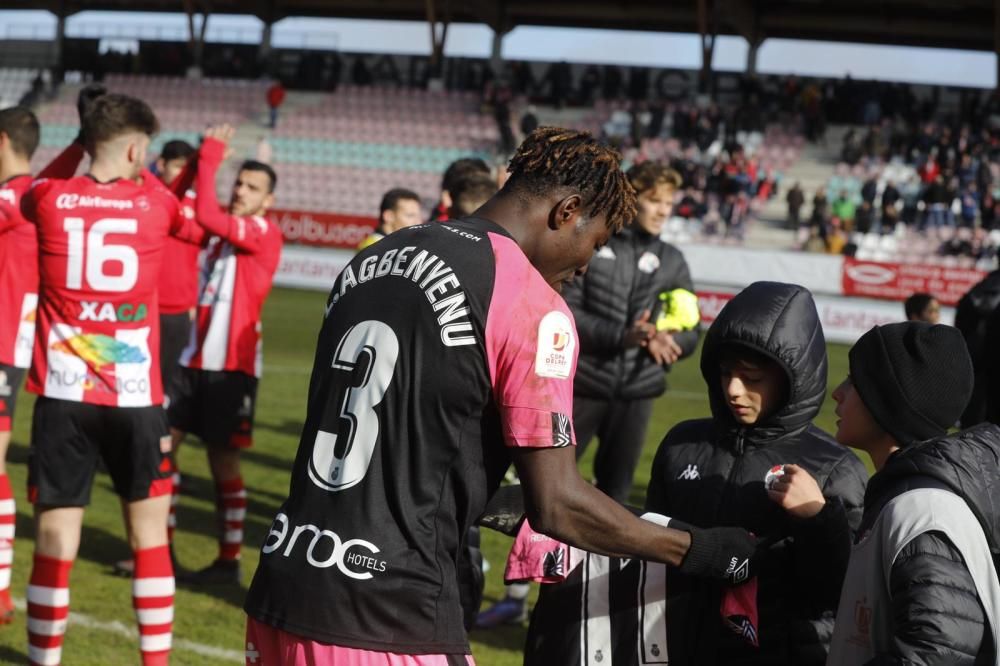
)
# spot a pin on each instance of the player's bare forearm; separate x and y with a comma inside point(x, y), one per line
point(65, 164)
point(564, 506)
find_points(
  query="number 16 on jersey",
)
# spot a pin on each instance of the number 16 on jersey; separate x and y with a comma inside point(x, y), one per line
point(362, 369)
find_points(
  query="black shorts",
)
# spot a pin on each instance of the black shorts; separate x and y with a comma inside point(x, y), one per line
point(68, 438)
point(10, 382)
point(218, 407)
point(175, 332)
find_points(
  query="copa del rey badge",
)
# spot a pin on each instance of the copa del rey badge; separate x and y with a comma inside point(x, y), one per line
point(555, 346)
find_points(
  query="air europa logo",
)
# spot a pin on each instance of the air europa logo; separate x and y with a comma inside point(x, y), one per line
point(69, 201)
point(870, 273)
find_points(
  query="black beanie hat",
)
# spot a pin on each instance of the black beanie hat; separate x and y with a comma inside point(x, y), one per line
point(915, 378)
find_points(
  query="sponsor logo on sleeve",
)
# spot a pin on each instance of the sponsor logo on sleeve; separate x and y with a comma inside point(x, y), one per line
point(556, 343)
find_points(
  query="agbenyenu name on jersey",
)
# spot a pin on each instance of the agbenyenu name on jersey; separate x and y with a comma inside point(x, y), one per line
point(436, 278)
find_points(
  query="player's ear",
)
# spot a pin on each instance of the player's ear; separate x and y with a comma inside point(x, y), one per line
point(566, 211)
point(268, 201)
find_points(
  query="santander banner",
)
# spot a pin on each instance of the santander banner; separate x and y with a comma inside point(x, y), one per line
point(896, 282)
point(323, 229)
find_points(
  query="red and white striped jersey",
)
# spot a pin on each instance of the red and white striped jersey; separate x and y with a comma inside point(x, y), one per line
point(100, 250)
point(237, 271)
point(18, 275)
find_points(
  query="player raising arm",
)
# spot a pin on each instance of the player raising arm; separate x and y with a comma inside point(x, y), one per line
point(216, 388)
point(19, 137)
point(445, 352)
point(95, 368)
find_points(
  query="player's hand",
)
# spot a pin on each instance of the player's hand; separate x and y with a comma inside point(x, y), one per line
point(223, 133)
point(663, 348)
point(797, 492)
point(86, 97)
point(84, 101)
point(722, 553)
point(640, 332)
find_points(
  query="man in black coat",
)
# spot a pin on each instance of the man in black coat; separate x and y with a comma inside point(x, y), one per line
point(972, 318)
point(764, 361)
point(633, 326)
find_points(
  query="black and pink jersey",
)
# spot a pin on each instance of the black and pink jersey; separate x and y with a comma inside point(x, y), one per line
point(442, 346)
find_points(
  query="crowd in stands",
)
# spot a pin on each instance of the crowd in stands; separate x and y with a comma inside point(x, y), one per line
point(930, 178)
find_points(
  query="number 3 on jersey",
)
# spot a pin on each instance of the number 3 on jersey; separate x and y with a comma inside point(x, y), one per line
point(362, 368)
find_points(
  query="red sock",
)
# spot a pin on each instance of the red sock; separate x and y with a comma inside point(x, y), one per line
point(175, 499)
point(233, 503)
point(48, 609)
point(7, 515)
point(153, 600)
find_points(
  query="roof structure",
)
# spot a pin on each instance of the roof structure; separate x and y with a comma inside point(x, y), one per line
point(965, 24)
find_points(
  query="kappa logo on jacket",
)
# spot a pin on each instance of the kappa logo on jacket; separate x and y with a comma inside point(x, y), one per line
point(690, 473)
point(605, 253)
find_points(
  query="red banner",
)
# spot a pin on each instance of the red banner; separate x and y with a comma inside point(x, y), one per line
point(896, 282)
point(323, 229)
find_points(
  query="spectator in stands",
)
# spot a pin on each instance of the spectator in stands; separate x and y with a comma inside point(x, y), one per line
point(455, 172)
point(816, 242)
point(764, 362)
point(400, 208)
point(795, 200)
point(820, 212)
point(470, 193)
point(937, 199)
point(501, 99)
point(890, 206)
point(275, 98)
point(969, 204)
point(922, 306)
point(836, 238)
point(988, 211)
point(844, 209)
point(865, 220)
point(869, 190)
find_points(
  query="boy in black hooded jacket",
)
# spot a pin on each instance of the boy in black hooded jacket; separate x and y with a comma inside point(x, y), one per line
point(764, 361)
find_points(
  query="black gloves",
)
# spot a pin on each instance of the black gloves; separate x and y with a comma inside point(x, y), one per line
point(505, 510)
point(84, 101)
point(724, 553)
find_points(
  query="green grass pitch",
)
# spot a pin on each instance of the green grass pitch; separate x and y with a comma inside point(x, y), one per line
point(213, 617)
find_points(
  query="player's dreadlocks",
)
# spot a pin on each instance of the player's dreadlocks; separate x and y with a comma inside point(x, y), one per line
point(554, 157)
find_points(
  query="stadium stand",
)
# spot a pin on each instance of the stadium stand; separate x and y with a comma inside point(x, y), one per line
point(14, 84)
point(335, 152)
